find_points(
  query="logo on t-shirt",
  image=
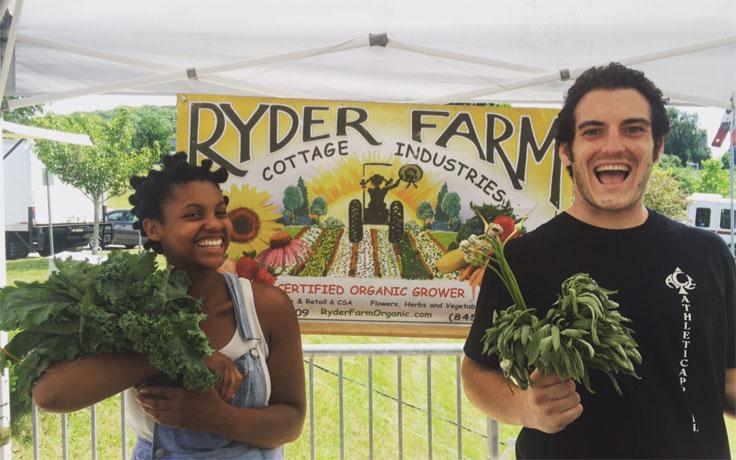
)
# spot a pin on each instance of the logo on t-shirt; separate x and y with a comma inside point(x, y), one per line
point(682, 283)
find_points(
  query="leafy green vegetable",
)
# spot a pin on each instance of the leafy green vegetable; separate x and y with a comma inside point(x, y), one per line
point(583, 329)
point(123, 305)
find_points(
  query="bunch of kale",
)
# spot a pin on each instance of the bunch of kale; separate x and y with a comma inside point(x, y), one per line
point(123, 305)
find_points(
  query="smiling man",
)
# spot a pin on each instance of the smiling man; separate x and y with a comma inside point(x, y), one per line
point(675, 282)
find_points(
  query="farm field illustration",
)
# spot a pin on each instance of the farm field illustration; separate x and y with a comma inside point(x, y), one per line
point(325, 228)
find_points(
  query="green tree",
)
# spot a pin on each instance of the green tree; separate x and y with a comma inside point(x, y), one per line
point(726, 160)
point(304, 208)
point(319, 207)
point(665, 195)
point(685, 140)
point(293, 199)
point(451, 207)
point(154, 124)
point(714, 179)
point(686, 177)
point(105, 167)
point(22, 115)
point(425, 211)
point(439, 215)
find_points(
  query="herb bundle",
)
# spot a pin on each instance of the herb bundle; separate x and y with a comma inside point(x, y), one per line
point(581, 331)
point(124, 305)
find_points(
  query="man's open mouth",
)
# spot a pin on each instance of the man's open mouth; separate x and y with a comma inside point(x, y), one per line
point(609, 174)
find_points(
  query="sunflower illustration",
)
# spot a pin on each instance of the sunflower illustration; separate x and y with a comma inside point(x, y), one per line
point(254, 220)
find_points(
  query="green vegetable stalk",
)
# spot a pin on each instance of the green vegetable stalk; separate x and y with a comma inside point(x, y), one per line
point(123, 305)
point(582, 330)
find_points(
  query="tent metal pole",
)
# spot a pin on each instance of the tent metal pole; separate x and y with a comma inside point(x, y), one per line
point(680, 50)
point(574, 73)
point(5, 451)
point(182, 74)
point(143, 64)
point(731, 154)
point(502, 87)
point(4, 7)
point(264, 90)
point(699, 100)
point(10, 47)
point(91, 52)
point(465, 57)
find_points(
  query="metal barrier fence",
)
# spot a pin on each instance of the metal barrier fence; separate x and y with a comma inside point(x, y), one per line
point(340, 352)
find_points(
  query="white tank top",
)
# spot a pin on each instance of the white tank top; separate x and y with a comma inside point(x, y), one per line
point(142, 424)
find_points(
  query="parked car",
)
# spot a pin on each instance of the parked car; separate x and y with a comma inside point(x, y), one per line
point(123, 232)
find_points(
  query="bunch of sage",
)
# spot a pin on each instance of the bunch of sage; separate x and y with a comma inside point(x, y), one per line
point(583, 329)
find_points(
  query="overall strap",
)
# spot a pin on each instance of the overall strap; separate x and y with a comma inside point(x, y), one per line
point(236, 293)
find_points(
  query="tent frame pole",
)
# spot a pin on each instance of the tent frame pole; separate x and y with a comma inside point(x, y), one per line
point(209, 74)
point(731, 138)
point(143, 64)
point(179, 75)
point(566, 74)
point(7, 63)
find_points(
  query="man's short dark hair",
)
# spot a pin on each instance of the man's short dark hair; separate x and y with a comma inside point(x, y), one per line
point(612, 76)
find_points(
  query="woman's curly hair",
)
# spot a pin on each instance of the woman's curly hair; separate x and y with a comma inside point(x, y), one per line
point(154, 188)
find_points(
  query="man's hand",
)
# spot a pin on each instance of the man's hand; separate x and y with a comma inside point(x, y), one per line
point(550, 404)
point(231, 376)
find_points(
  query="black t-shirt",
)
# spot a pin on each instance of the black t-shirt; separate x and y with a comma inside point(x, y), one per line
point(677, 285)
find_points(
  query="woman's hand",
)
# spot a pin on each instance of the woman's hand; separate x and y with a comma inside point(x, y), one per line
point(180, 408)
point(231, 376)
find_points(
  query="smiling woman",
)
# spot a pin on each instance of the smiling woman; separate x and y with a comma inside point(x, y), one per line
point(253, 327)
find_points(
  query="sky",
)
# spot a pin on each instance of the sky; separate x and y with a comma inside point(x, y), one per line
point(708, 118)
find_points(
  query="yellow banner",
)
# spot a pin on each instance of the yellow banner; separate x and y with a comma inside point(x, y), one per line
point(351, 205)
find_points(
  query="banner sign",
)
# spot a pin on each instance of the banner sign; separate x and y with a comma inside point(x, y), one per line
point(357, 208)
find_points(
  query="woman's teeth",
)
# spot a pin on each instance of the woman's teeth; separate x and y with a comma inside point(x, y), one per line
point(210, 243)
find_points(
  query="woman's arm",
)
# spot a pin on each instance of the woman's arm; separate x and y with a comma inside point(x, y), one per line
point(72, 385)
point(265, 427)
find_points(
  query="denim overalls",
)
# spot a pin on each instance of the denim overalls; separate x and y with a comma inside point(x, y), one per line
point(173, 443)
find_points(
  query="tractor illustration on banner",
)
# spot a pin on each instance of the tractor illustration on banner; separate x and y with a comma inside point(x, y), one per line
point(375, 211)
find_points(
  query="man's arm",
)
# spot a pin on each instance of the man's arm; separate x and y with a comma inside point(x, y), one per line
point(730, 393)
point(549, 405)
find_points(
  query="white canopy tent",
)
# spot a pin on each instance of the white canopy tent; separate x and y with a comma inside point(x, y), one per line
point(379, 50)
point(435, 51)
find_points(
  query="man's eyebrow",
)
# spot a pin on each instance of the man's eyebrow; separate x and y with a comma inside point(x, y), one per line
point(587, 123)
point(630, 121)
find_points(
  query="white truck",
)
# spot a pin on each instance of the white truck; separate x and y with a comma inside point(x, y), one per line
point(26, 207)
point(712, 212)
